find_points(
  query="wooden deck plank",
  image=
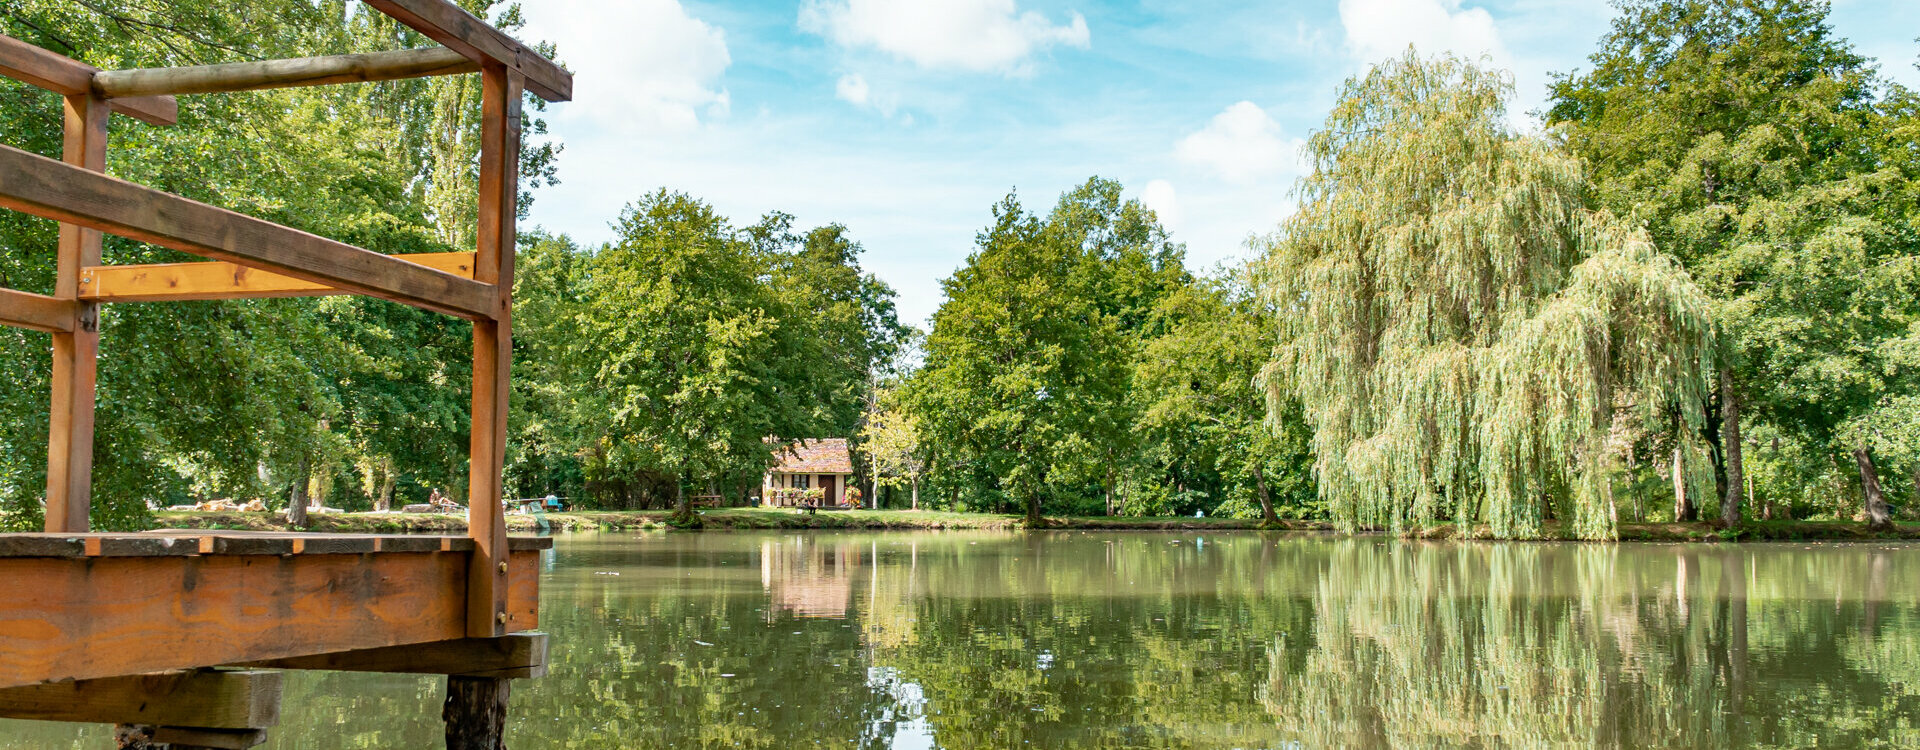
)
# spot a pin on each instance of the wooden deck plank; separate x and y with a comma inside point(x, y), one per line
point(179, 542)
point(92, 617)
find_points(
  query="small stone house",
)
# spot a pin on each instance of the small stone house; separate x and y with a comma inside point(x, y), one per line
point(814, 463)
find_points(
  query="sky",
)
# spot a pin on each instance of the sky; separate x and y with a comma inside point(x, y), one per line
point(907, 120)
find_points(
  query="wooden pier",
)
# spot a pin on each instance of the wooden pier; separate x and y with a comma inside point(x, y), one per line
point(178, 637)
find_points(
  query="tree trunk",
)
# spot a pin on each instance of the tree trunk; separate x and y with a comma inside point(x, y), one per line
point(297, 501)
point(681, 509)
point(386, 493)
point(1736, 466)
point(1879, 518)
point(1033, 511)
point(1267, 516)
point(1682, 505)
point(476, 712)
point(916, 492)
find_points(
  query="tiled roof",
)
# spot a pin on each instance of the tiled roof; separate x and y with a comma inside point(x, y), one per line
point(814, 456)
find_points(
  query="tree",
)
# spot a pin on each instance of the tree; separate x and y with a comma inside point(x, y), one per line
point(1461, 330)
point(1763, 151)
point(892, 438)
point(1203, 421)
point(1019, 364)
point(691, 367)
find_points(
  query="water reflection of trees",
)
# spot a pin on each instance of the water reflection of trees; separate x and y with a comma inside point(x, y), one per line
point(1155, 640)
point(1532, 645)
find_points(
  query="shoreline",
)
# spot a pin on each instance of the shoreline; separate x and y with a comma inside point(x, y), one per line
point(904, 520)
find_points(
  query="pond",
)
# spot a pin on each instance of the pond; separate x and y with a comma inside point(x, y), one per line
point(1149, 639)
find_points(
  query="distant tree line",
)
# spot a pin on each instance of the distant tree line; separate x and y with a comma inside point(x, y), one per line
point(1693, 294)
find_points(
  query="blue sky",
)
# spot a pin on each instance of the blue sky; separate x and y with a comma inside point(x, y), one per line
point(907, 120)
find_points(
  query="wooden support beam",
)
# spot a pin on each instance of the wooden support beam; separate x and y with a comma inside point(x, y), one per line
point(447, 24)
point(87, 617)
point(37, 311)
point(44, 187)
point(76, 350)
point(192, 698)
point(513, 655)
point(29, 64)
point(274, 74)
point(163, 282)
point(487, 582)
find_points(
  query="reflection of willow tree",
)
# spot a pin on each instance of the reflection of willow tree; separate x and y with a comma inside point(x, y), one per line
point(1454, 645)
point(1075, 640)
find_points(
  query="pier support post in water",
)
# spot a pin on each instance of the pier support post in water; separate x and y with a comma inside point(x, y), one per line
point(476, 712)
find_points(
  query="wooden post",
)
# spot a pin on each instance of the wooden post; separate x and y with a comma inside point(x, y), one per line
point(492, 350)
point(476, 712)
point(75, 352)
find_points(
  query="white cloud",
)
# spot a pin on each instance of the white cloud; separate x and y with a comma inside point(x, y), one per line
point(1242, 144)
point(642, 65)
point(1380, 29)
point(983, 35)
point(852, 89)
point(1160, 197)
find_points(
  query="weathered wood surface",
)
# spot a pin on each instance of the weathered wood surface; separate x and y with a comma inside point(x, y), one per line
point(192, 698)
point(487, 583)
point(460, 31)
point(37, 311)
point(273, 74)
point(476, 712)
point(44, 187)
point(513, 655)
point(76, 351)
point(68, 77)
point(176, 542)
point(103, 616)
point(163, 282)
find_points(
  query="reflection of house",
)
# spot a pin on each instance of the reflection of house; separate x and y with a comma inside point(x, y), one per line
point(818, 463)
point(808, 580)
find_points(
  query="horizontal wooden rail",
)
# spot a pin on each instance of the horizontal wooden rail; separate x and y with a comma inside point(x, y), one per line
point(273, 74)
point(164, 282)
point(43, 187)
point(36, 311)
point(447, 24)
point(29, 64)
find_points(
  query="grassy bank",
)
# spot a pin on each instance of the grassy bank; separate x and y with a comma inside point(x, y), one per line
point(723, 518)
point(766, 518)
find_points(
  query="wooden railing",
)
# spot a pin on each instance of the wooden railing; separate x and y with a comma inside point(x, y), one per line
point(256, 258)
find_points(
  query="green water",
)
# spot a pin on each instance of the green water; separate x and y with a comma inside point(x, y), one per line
point(1213, 640)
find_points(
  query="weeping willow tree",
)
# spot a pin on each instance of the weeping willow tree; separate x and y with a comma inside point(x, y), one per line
point(1464, 332)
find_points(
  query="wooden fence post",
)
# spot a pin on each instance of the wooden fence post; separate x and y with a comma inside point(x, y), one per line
point(492, 350)
point(76, 352)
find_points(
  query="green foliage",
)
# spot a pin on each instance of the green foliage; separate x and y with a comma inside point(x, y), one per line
point(1765, 153)
point(1022, 391)
point(1203, 425)
point(232, 399)
point(1460, 329)
point(665, 360)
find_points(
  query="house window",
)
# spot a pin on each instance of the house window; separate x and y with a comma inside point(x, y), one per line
point(801, 480)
